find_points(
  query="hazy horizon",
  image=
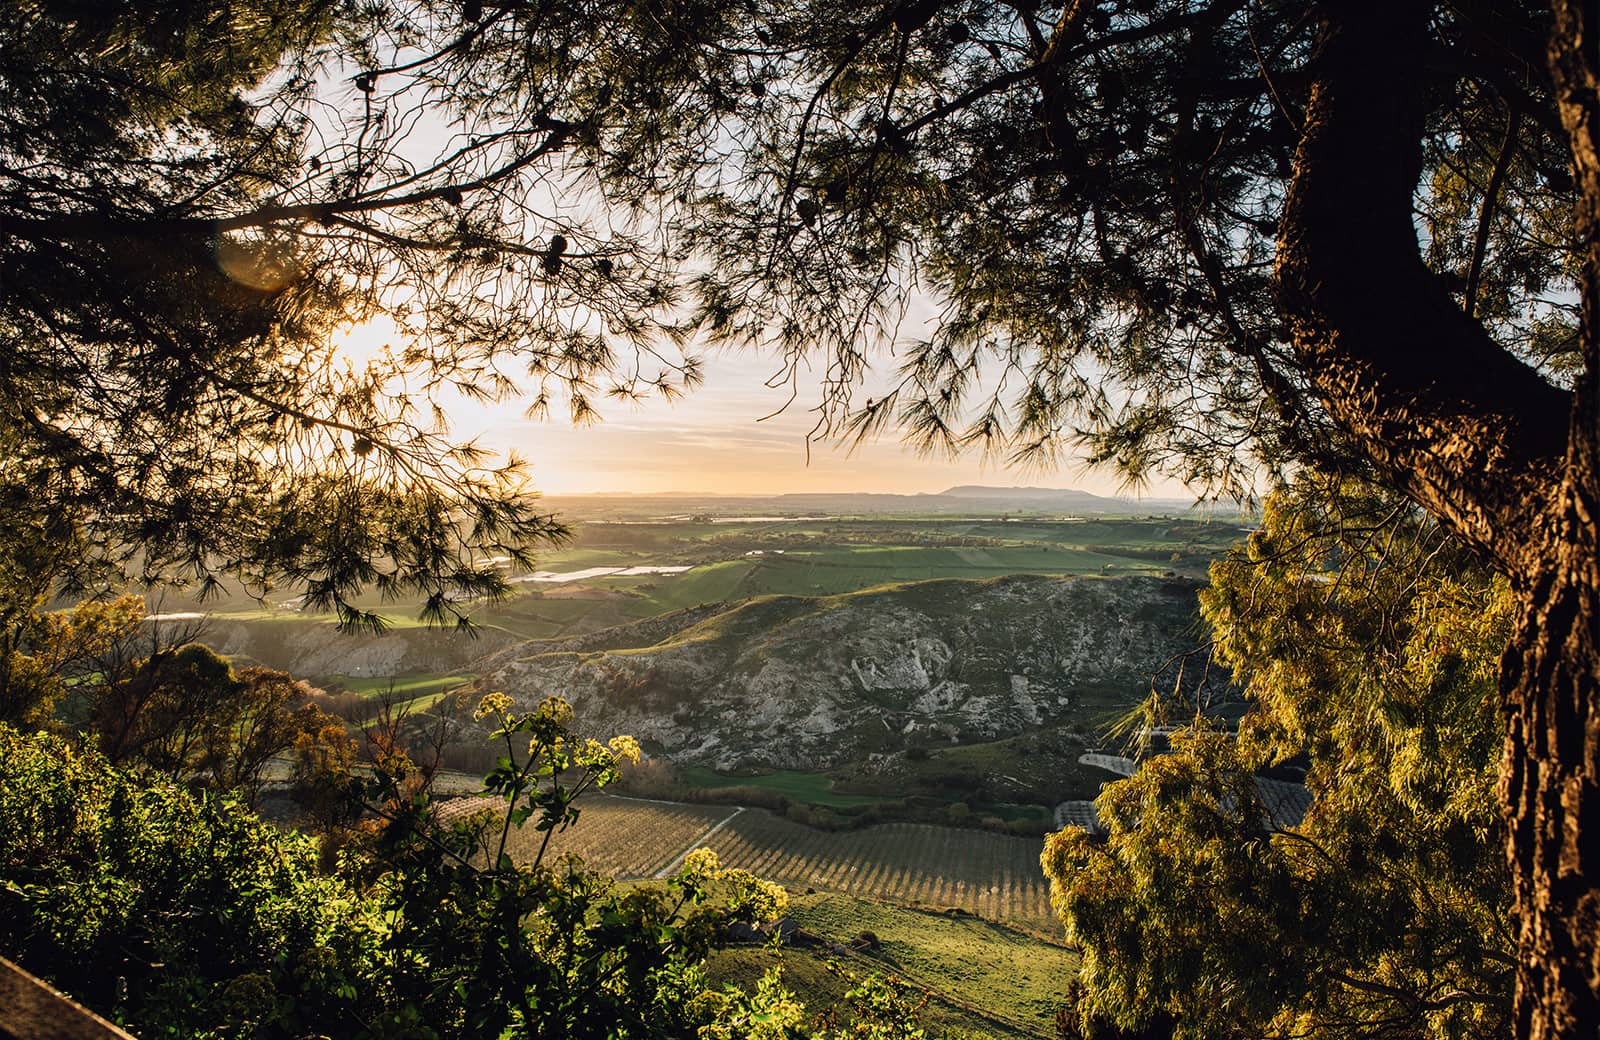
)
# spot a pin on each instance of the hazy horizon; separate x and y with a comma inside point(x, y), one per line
point(732, 435)
point(715, 441)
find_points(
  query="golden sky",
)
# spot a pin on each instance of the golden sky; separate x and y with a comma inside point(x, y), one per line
point(714, 440)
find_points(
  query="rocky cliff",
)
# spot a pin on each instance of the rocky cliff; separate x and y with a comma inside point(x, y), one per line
point(795, 682)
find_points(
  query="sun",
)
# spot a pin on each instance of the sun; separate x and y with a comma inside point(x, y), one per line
point(377, 340)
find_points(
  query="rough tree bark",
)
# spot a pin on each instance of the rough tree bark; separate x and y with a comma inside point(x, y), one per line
point(1509, 462)
point(1550, 675)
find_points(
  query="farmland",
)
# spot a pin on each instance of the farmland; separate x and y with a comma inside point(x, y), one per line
point(621, 837)
point(733, 562)
point(993, 876)
point(803, 788)
point(807, 556)
point(963, 916)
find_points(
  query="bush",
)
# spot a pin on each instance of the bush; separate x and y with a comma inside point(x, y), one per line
point(347, 704)
point(651, 777)
point(163, 907)
point(181, 914)
point(476, 757)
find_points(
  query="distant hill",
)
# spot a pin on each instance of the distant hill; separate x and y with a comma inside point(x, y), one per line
point(803, 682)
point(1060, 498)
point(1027, 494)
point(970, 498)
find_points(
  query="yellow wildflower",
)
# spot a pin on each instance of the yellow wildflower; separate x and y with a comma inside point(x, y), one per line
point(624, 747)
point(702, 862)
point(492, 704)
point(555, 710)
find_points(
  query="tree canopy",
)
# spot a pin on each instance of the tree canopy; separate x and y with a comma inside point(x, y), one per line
point(550, 197)
point(195, 196)
point(1367, 641)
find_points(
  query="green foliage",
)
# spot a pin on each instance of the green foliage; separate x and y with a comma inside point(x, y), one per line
point(875, 1008)
point(178, 914)
point(181, 711)
point(45, 653)
point(1091, 192)
point(795, 786)
point(1367, 642)
point(183, 915)
point(977, 978)
point(484, 944)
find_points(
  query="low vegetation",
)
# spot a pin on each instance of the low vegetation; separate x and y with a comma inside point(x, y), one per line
point(981, 978)
point(182, 914)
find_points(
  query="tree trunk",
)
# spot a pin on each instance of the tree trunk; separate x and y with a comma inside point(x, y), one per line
point(1508, 461)
point(1550, 675)
point(1550, 782)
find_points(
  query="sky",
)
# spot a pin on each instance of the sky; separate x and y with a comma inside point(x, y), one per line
point(715, 440)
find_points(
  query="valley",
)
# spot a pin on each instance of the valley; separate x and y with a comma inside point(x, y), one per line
point(879, 712)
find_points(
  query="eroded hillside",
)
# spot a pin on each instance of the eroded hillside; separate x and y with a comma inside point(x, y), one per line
point(800, 682)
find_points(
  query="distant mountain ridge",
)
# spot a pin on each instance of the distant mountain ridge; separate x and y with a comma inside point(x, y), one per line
point(1031, 493)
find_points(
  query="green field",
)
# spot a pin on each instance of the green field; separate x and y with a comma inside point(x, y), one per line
point(812, 558)
point(805, 788)
point(982, 978)
point(732, 561)
point(410, 688)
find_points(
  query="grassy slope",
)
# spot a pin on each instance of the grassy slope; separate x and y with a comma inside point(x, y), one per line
point(405, 688)
point(984, 978)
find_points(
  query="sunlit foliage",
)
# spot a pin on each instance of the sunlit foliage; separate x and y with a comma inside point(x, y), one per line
point(1368, 644)
point(182, 914)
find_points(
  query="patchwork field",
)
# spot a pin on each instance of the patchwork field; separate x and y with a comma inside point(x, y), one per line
point(731, 559)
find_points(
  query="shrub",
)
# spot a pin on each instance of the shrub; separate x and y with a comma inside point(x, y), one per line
point(181, 914)
point(162, 907)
